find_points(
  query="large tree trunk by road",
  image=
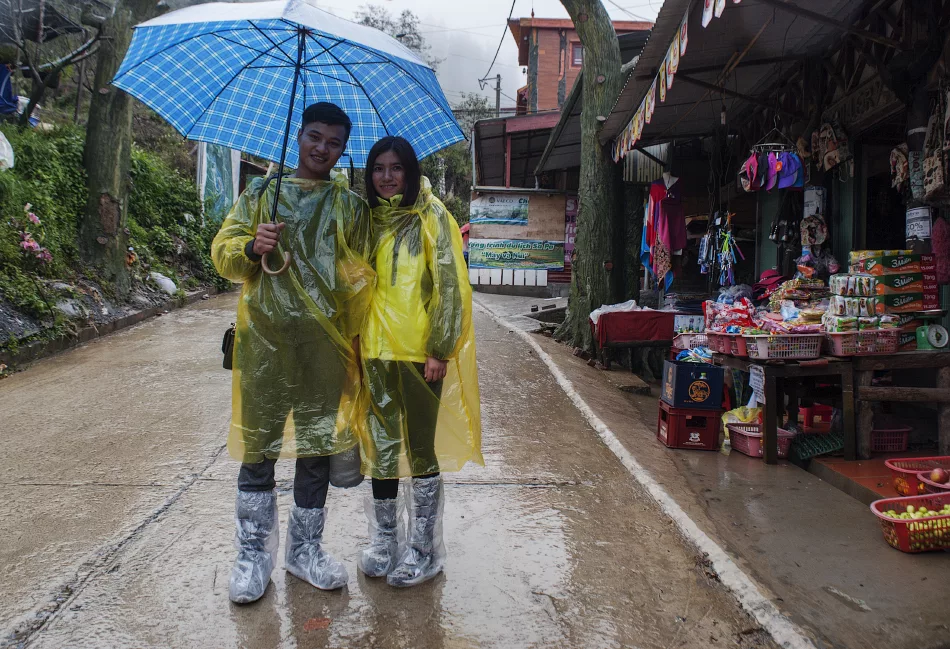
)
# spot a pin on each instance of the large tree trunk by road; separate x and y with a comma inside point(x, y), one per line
point(103, 233)
point(591, 283)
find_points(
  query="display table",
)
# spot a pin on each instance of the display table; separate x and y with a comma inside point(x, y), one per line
point(631, 330)
point(780, 381)
point(864, 368)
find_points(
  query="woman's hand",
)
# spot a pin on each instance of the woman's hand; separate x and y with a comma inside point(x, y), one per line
point(434, 369)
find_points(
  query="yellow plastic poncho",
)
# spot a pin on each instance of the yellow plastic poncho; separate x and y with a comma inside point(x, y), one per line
point(422, 307)
point(296, 378)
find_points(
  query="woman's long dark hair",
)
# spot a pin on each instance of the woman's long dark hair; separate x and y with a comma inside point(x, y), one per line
point(410, 164)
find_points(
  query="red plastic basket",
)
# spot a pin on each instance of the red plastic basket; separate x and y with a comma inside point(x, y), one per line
point(862, 343)
point(915, 535)
point(747, 439)
point(905, 470)
point(930, 486)
point(717, 341)
point(890, 440)
point(784, 347)
point(735, 345)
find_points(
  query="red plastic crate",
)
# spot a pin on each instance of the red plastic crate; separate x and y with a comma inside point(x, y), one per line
point(916, 535)
point(930, 486)
point(747, 439)
point(688, 428)
point(905, 470)
point(816, 418)
point(890, 440)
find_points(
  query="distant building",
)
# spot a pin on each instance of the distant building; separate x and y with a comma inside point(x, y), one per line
point(552, 53)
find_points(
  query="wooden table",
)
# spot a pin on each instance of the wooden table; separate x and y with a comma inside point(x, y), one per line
point(777, 374)
point(865, 366)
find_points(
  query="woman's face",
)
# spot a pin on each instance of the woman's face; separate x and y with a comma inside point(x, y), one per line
point(389, 176)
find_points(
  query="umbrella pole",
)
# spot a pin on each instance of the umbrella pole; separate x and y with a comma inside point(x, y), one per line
point(301, 40)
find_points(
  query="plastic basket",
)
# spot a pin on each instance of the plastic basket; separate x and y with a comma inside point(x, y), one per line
point(905, 470)
point(717, 341)
point(691, 341)
point(784, 347)
point(890, 440)
point(805, 447)
point(747, 439)
point(735, 345)
point(930, 486)
point(863, 343)
point(914, 535)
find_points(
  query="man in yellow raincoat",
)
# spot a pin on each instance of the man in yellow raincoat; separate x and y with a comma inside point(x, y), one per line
point(296, 374)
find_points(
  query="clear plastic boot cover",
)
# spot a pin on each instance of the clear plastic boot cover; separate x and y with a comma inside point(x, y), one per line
point(305, 556)
point(256, 540)
point(424, 555)
point(385, 536)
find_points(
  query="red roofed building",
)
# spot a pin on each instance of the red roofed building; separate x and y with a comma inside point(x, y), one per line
point(552, 53)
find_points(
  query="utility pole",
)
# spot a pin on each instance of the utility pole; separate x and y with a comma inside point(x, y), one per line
point(484, 82)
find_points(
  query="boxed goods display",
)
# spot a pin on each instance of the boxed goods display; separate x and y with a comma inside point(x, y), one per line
point(903, 302)
point(884, 262)
point(902, 283)
point(907, 341)
point(692, 385)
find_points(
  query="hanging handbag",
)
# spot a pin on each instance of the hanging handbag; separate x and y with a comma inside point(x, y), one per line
point(227, 347)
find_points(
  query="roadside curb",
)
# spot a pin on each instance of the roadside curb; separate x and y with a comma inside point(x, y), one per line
point(44, 348)
point(786, 633)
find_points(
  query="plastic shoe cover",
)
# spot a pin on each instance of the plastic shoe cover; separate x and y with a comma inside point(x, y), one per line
point(424, 556)
point(384, 536)
point(256, 540)
point(305, 557)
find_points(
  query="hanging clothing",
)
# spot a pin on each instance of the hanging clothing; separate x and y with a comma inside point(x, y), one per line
point(295, 378)
point(667, 230)
point(421, 308)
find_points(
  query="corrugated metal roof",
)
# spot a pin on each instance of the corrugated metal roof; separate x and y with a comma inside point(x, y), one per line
point(709, 51)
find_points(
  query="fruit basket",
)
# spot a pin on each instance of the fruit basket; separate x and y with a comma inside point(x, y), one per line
point(862, 343)
point(905, 470)
point(923, 534)
point(890, 440)
point(785, 346)
point(932, 487)
point(747, 439)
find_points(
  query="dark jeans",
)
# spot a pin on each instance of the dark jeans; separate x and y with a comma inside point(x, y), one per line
point(421, 420)
point(311, 479)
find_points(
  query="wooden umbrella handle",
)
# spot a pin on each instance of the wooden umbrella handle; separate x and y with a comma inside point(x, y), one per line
point(279, 270)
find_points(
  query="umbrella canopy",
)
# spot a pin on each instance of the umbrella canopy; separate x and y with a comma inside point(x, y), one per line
point(225, 73)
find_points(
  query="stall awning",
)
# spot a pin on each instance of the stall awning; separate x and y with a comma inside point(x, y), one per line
point(732, 61)
point(507, 149)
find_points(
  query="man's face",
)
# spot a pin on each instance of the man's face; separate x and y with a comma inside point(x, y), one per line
point(321, 145)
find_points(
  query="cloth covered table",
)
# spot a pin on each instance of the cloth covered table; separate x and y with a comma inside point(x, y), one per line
point(632, 329)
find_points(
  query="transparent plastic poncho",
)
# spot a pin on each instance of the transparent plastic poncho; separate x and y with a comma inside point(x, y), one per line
point(296, 379)
point(421, 307)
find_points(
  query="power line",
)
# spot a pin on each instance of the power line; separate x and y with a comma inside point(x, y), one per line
point(501, 42)
point(629, 13)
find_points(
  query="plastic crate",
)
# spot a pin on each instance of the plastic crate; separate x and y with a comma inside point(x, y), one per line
point(784, 347)
point(805, 447)
point(890, 440)
point(690, 341)
point(747, 439)
point(914, 535)
point(862, 343)
point(816, 418)
point(688, 428)
point(930, 486)
point(735, 345)
point(905, 470)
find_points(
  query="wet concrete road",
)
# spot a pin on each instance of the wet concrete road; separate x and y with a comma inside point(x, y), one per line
point(117, 520)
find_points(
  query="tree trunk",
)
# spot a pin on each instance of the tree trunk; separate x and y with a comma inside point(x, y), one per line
point(103, 235)
point(596, 216)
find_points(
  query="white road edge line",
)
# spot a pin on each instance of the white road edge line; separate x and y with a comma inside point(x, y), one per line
point(783, 631)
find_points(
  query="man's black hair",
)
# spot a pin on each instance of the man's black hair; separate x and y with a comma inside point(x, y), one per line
point(410, 164)
point(327, 113)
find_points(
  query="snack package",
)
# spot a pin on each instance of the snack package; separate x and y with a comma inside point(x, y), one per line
point(890, 321)
point(855, 306)
point(839, 323)
point(868, 323)
point(853, 285)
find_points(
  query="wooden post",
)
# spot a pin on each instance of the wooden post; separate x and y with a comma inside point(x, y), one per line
point(865, 416)
point(773, 410)
point(847, 414)
point(943, 413)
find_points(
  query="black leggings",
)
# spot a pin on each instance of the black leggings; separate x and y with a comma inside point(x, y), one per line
point(311, 480)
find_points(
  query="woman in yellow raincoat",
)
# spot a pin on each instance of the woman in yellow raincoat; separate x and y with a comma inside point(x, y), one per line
point(418, 351)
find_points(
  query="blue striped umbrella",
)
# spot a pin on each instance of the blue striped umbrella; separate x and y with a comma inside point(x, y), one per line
point(228, 73)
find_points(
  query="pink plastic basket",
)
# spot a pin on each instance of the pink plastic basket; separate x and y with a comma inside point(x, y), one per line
point(862, 343)
point(915, 535)
point(747, 439)
point(784, 347)
point(735, 345)
point(890, 440)
point(691, 341)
